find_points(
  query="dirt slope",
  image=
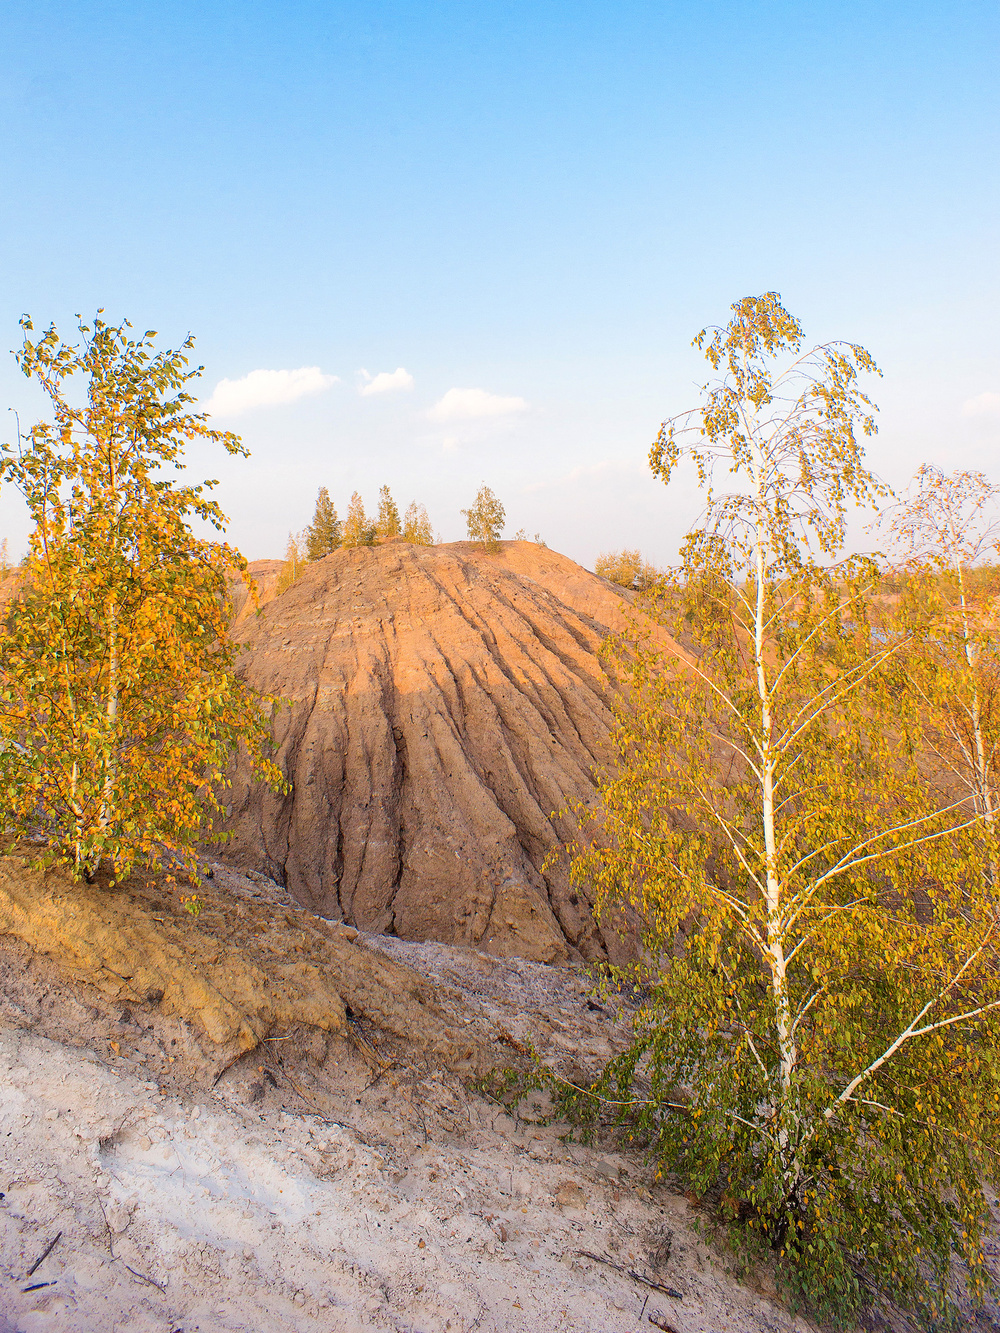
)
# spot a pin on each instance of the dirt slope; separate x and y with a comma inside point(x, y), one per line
point(443, 703)
point(247, 964)
point(331, 1180)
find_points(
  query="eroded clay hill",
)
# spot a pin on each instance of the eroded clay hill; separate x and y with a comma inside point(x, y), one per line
point(443, 705)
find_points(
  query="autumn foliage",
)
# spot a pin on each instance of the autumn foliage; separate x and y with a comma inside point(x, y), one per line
point(120, 704)
point(819, 1046)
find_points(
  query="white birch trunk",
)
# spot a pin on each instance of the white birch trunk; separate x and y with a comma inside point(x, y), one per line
point(111, 708)
point(774, 951)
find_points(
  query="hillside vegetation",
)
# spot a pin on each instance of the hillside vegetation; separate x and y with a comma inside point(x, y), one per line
point(757, 793)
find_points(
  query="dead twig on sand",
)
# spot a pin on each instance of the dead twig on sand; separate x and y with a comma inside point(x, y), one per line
point(273, 1076)
point(366, 1048)
point(118, 1260)
point(633, 1274)
point(512, 1041)
point(143, 1278)
point(44, 1255)
point(658, 1323)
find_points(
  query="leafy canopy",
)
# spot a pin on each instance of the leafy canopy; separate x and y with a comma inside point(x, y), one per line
point(296, 560)
point(942, 527)
point(417, 525)
point(485, 519)
point(388, 524)
point(358, 530)
point(626, 568)
point(120, 704)
point(819, 1042)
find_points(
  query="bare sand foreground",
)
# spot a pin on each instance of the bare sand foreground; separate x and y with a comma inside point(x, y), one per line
point(325, 1182)
point(199, 1216)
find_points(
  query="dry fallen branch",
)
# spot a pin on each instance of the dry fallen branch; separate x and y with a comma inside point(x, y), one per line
point(632, 1273)
point(44, 1255)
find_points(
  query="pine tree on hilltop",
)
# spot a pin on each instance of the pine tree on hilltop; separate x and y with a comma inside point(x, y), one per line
point(357, 530)
point(417, 526)
point(323, 533)
point(388, 524)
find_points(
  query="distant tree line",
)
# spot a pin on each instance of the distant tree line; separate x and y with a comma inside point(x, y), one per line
point(628, 568)
point(485, 521)
point(328, 532)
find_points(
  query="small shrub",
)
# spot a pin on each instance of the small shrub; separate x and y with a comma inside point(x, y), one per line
point(626, 568)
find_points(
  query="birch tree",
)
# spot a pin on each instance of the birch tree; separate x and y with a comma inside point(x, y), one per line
point(357, 529)
point(485, 519)
point(388, 524)
point(417, 525)
point(627, 568)
point(120, 705)
point(296, 560)
point(819, 1038)
point(943, 527)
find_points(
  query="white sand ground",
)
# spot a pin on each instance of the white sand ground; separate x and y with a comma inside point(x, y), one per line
point(416, 1208)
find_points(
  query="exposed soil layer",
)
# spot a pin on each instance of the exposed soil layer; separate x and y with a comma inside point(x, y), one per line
point(249, 963)
point(445, 708)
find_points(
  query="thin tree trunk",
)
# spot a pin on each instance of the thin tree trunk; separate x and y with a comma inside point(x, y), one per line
point(985, 804)
point(111, 712)
point(774, 952)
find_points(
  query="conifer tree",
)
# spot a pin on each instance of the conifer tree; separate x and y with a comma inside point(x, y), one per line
point(323, 533)
point(388, 524)
point(417, 526)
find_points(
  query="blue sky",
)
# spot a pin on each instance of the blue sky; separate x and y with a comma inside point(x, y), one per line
point(541, 202)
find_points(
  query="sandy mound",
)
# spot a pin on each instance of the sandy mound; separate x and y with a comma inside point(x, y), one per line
point(443, 703)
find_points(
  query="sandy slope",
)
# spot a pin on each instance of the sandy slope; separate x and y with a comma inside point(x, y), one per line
point(444, 708)
point(275, 1221)
point(306, 1191)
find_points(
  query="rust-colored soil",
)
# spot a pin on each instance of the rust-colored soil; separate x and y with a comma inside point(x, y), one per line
point(445, 706)
point(247, 965)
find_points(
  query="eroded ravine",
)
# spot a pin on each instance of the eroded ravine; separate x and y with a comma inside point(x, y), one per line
point(445, 707)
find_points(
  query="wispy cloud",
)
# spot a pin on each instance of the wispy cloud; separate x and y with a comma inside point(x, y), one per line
point(984, 405)
point(465, 404)
point(386, 381)
point(266, 388)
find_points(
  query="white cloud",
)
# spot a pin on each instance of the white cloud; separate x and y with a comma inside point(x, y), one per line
point(983, 405)
point(463, 404)
point(266, 388)
point(386, 381)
